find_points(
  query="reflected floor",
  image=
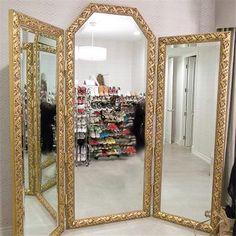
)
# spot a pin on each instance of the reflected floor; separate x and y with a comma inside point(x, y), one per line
point(51, 196)
point(109, 186)
point(37, 220)
point(186, 183)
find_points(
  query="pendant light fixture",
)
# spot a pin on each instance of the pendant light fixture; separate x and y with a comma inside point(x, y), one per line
point(91, 53)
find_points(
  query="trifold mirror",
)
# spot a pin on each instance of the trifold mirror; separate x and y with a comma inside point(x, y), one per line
point(82, 134)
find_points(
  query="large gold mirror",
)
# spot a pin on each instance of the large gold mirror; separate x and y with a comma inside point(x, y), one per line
point(109, 102)
point(190, 129)
point(37, 125)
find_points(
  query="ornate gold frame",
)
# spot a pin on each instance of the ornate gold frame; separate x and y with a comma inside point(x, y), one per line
point(16, 22)
point(30, 85)
point(224, 39)
point(151, 69)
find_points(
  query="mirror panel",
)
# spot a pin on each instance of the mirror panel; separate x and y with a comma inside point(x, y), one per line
point(111, 68)
point(33, 224)
point(109, 91)
point(189, 128)
point(33, 214)
point(190, 110)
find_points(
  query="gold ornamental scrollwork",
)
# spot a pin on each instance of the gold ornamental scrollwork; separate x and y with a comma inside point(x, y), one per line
point(70, 142)
point(224, 39)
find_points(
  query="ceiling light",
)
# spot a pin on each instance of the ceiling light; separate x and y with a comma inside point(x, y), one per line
point(137, 32)
point(91, 53)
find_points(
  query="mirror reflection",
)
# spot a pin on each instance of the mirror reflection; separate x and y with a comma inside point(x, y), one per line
point(109, 116)
point(47, 93)
point(40, 202)
point(189, 128)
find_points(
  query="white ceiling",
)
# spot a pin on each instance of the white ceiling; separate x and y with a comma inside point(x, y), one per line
point(189, 49)
point(110, 26)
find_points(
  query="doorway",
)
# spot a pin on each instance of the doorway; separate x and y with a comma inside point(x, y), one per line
point(179, 97)
point(189, 85)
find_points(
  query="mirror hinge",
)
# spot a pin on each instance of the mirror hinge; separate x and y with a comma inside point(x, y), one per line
point(33, 172)
point(65, 157)
point(65, 110)
point(65, 199)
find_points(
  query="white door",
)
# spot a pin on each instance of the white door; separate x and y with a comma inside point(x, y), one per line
point(189, 101)
point(169, 109)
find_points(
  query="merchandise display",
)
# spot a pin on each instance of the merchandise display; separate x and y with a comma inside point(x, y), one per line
point(104, 123)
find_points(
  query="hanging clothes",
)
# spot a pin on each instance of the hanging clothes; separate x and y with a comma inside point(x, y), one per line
point(139, 125)
point(231, 210)
point(48, 113)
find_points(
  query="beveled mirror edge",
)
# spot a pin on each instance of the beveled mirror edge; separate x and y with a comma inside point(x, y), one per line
point(71, 222)
point(16, 21)
point(224, 39)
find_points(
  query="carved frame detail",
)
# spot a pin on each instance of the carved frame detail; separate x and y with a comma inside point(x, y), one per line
point(71, 222)
point(224, 39)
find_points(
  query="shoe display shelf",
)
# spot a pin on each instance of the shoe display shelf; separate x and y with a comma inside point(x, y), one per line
point(81, 121)
point(110, 126)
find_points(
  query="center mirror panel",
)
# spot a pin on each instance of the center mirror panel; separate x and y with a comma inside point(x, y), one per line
point(109, 116)
point(189, 128)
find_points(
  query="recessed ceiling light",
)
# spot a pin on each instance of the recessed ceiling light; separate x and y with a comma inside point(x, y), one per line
point(137, 32)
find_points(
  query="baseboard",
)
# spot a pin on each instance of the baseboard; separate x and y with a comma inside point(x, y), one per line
point(201, 155)
point(5, 231)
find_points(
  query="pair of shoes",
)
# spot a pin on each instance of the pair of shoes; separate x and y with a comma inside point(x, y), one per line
point(82, 153)
point(130, 150)
point(82, 90)
point(112, 127)
point(93, 142)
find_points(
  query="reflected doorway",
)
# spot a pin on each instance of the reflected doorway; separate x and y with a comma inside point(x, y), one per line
point(180, 100)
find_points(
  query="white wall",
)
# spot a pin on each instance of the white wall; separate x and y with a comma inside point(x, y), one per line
point(117, 68)
point(225, 13)
point(205, 101)
point(162, 16)
point(48, 67)
point(125, 66)
point(139, 66)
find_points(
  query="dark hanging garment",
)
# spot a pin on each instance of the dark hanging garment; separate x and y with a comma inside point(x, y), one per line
point(139, 125)
point(48, 113)
point(231, 210)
